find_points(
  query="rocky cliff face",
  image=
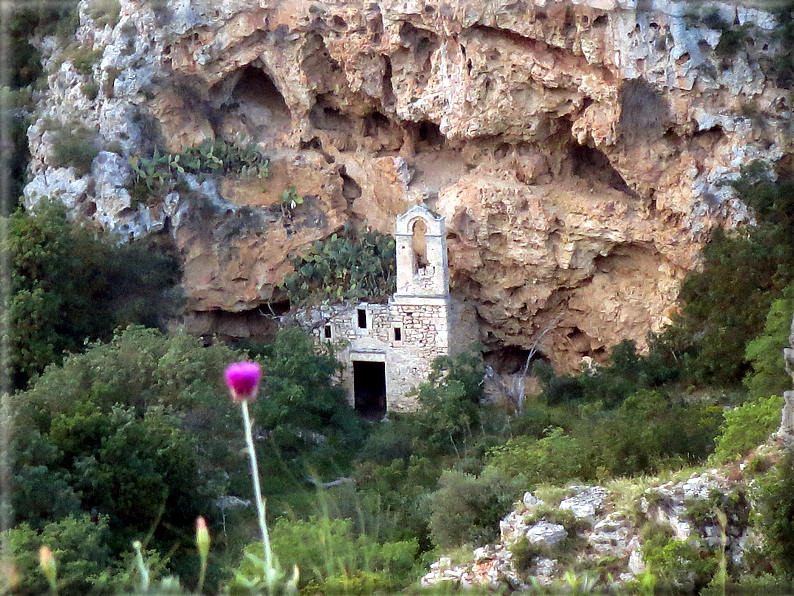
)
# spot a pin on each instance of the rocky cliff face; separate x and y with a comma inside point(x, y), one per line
point(579, 150)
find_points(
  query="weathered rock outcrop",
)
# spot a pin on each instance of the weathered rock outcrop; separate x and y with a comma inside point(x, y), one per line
point(609, 526)
point(579, 150)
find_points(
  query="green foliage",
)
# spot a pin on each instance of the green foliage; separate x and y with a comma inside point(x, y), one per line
point(466, 509)
point(78, 544)
point(137, 430)
point(354, 265)
point(450, 401)
point(105, 12)
point(160, 173)
point(646, 433)
point(74, 146)
point(769, 376)
point(332, 558)
point(525, 553)
point(90, 90)
point(554, 458)
point(679, 565)
point(626, 373)
point(84, 58)
point(396, 496)
point(727, 301)
point(289, 200)
point(303, 406)
point(746, 427)
point(732, 37)
point(782, 67)
point(776, 515)
point(70, 284)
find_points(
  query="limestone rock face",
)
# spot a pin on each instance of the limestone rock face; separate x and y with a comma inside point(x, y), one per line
point(580, 152)
point(612, 529)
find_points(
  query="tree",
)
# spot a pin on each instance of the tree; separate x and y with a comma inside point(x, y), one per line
point(302, 406)
point(70, 284)
point(765, 352)
point(725, 302)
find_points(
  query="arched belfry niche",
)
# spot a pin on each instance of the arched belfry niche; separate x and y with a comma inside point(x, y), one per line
point(421, 253)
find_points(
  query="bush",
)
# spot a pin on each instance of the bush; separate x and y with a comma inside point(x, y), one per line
point(466, 509)
point(725, 303)
point(746, 427)
point(70, 284)
point(304, 407)
point(554, 459)
point(74, 146)
point(776, 515)
point(450, 402)
point(78, 544)
point(353, 265)
point(769, 376)
point(84, 59)
point(105, 12)
point(331, 558)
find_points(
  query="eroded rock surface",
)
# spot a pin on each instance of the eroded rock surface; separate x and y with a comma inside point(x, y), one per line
point(616, 529)
point(580, 151)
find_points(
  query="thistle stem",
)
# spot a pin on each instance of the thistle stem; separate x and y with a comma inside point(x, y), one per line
point(270, 572)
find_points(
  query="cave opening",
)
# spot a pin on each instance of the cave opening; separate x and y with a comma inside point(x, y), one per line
point(256, 92)
point(351, 190)
point(593, 166)
point(324, 116)
point(429, 136)
point(510, 360)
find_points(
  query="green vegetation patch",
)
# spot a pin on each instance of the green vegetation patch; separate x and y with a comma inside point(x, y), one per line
point(352, 265)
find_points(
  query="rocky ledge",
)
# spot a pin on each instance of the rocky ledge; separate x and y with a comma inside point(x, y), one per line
point(600, 533)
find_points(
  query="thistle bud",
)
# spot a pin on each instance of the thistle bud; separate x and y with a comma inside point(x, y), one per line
point(48, 566)
point(202, 537)
point(242, 378)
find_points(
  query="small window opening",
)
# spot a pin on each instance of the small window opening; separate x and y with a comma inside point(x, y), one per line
point(362, 318)
point(398, 334)
point(327, 332)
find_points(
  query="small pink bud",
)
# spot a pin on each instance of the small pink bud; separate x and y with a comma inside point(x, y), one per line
point(47, 562)
point(202, 537)
point(242, 378)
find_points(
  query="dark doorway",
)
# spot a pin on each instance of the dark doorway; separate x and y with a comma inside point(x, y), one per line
point(369, 387)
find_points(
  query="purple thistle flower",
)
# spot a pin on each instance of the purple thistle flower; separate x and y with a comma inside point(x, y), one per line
point(242, 378)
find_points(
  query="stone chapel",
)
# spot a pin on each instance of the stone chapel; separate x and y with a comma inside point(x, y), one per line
point(388, 349)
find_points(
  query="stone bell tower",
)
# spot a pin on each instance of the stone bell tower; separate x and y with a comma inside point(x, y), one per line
point(422, 269)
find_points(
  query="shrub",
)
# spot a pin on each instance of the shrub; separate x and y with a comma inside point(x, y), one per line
point(769, 376)
point(727, 301)
point(84, 59)
point(105, 12)
point(776, 519)
point(160, 173)
point(90, 90)
point(746, 427)
point(466, 509)
point(554, 459)
point(524, 553)
point(306, 409)
point(449, 401)
point(332, 558)
point(74, 146)
point(78, 544)
point(70, 284)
